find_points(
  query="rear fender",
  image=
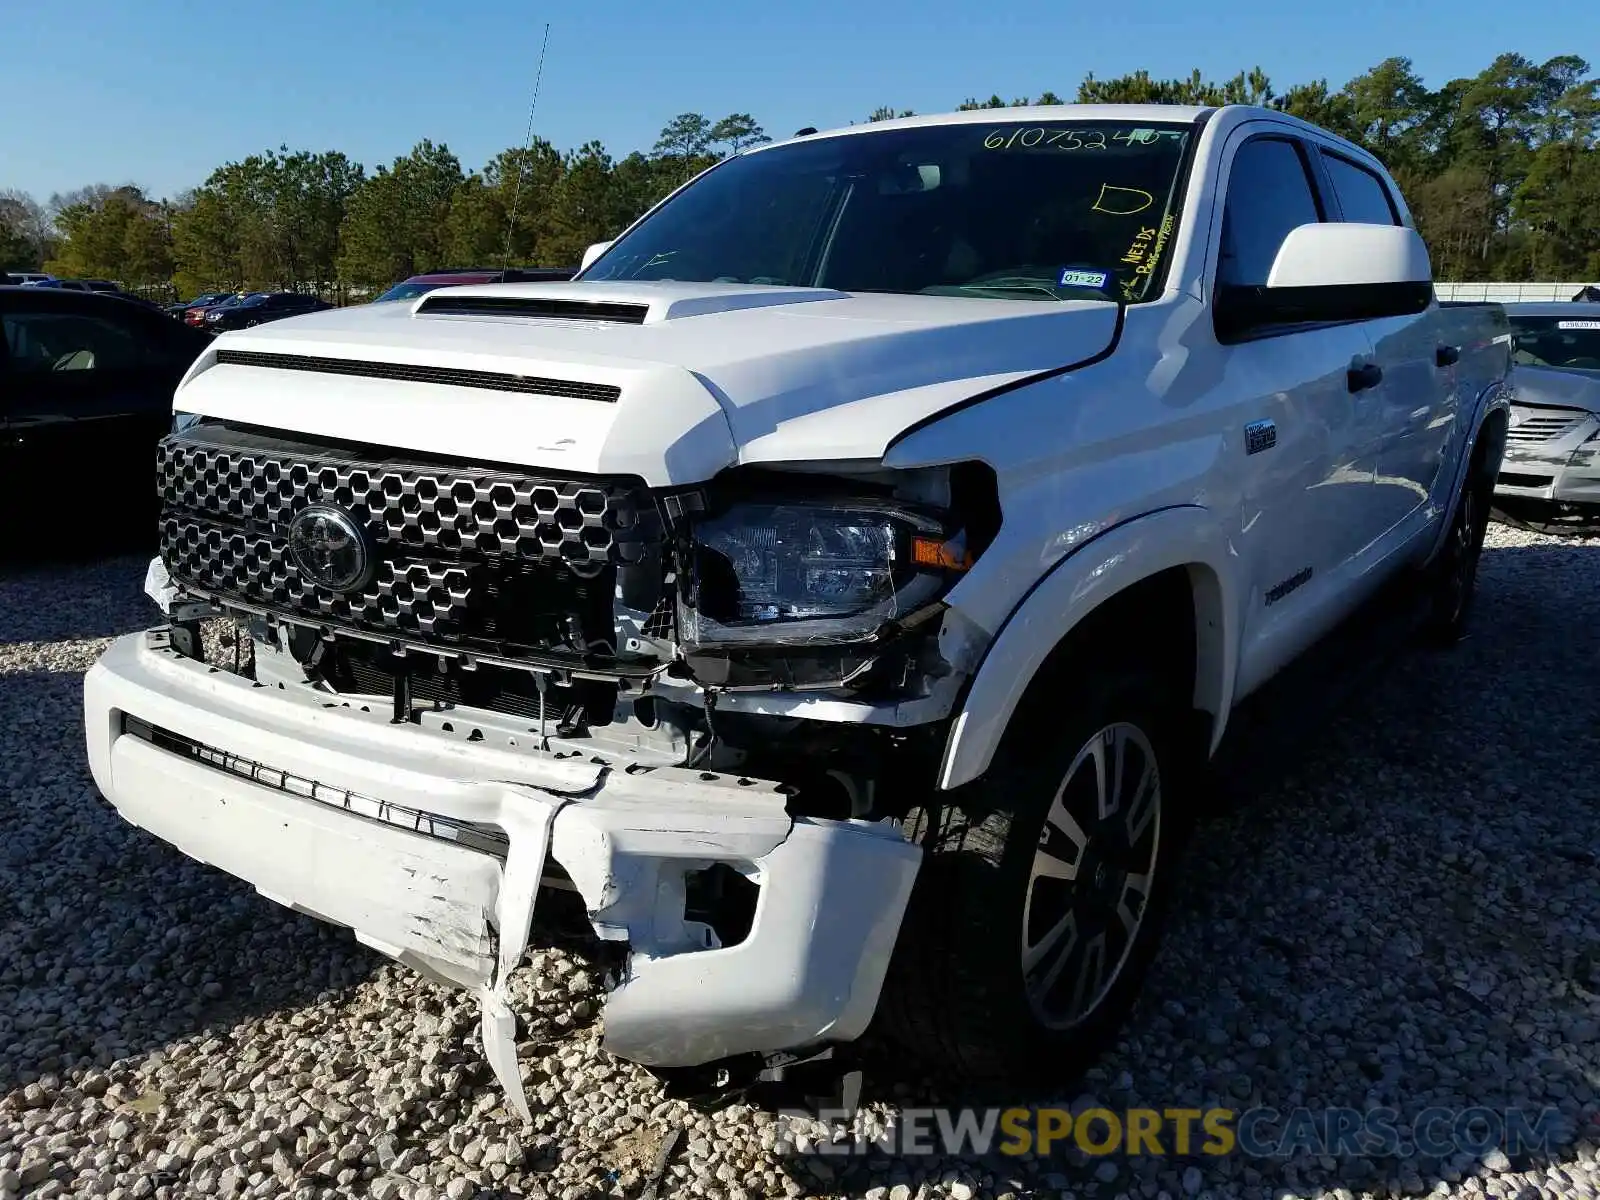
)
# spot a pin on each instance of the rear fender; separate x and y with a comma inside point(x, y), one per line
point(1496, 398)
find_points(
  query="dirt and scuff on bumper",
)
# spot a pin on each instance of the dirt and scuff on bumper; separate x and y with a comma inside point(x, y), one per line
point(342, 815)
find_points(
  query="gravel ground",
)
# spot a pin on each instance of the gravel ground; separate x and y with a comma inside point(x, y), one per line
point(1409, 920)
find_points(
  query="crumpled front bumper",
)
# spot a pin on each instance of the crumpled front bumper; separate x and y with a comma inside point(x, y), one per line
point(1562, 470)
point(342, 814)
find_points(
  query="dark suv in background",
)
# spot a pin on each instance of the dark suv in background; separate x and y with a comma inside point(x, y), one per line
point(260, 307)
point(410, 289)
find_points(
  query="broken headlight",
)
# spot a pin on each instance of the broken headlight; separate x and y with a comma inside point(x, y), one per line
point(813, 573)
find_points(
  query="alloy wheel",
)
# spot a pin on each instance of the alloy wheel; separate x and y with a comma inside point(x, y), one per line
point(1090, 883)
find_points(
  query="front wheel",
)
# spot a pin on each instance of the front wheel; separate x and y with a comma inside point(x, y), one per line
point(1040, 902)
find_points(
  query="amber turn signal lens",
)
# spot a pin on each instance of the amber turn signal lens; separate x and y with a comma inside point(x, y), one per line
point(949, 556)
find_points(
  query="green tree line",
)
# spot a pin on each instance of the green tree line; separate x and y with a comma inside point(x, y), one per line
point(1502, 171)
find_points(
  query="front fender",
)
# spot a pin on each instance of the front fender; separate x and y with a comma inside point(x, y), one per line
point(1180, 536)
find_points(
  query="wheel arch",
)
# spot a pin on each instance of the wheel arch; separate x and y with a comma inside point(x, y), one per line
point(1165, 580)
point(1489, 430)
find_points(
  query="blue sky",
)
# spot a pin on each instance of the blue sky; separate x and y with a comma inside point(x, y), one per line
point(158, 92)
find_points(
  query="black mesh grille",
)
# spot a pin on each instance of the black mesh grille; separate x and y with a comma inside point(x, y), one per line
point(467, 556)
point(498, 381)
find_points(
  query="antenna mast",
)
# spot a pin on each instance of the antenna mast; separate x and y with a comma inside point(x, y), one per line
point(516, 191)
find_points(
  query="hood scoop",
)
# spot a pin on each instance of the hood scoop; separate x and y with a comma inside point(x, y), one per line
point(446, 304)
point(611, 302)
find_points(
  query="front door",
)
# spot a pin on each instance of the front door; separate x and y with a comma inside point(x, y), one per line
point(1307, 455)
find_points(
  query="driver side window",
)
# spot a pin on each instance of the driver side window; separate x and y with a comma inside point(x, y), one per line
point(1269, 194)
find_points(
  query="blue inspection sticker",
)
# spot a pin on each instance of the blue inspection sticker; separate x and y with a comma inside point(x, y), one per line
point(1073, 277)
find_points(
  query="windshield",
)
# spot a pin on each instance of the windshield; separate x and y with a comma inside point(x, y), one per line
point(1569, 342)
point(405, 291)
point(1055, 210)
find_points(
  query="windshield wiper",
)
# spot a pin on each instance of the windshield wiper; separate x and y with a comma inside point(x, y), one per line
point(1011, 287)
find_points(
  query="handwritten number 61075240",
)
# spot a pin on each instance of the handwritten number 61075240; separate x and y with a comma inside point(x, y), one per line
point(1061, 139)
point(1037, 137)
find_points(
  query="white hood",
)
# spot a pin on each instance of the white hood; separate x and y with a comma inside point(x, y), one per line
point(713, 375)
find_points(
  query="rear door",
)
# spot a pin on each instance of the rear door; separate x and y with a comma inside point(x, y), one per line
point(1420, 404)
point(89, 392)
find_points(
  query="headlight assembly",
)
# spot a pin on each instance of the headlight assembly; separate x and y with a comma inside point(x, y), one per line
point(813, 573)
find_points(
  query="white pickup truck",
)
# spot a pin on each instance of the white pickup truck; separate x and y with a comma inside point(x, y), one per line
point(840, 585)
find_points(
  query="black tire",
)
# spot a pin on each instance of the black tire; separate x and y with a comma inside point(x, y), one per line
point(1453, 576)
point(957, 997)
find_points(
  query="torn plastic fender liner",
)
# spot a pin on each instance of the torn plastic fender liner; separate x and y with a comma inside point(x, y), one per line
point(612, 872)
point(809, 971)
point(529, 834)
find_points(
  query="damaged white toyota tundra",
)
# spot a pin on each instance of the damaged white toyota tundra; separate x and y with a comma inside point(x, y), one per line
point(840, 585)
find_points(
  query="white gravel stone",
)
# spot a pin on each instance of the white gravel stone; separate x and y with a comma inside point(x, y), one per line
point(1407, 920)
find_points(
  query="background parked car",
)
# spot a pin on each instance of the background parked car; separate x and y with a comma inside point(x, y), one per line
point(131, 298)
point(102, 287)
point(196, 314)
point(259, 307)
point(411, 288)
point(26, 278)
point(1550, 480)
point(86, 385)
point(80, 285)
point(181, 310)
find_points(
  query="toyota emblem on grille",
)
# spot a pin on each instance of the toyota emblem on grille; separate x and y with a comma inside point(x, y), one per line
point(330, 549)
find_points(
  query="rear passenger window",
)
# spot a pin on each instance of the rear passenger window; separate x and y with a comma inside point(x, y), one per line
point(1269, 193)
point(1362, 196)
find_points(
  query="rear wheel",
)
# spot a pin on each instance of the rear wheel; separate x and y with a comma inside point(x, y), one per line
point(1040, 902)
point(1453, 585)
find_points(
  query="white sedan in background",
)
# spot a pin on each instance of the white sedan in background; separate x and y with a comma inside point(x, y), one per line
point(1550, 479)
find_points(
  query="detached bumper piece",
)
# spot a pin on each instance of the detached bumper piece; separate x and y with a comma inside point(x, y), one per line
point(433, 851)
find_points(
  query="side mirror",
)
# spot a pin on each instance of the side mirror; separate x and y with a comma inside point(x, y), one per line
point(592, 253)
point(1333, 271)
point(1346, 254)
